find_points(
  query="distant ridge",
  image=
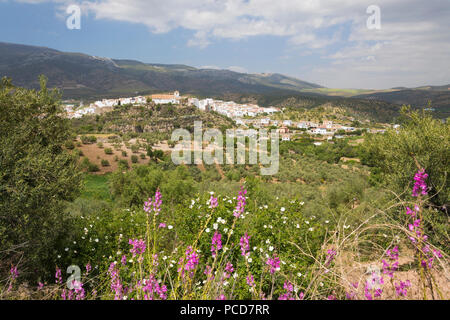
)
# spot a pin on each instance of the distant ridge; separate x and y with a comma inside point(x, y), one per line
point(81, 75)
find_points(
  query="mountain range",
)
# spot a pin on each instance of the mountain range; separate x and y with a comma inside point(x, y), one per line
point(82, 76)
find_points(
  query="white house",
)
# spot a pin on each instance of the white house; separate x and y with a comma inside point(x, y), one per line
point(302, 125)
point(265, 121)
point(319, 131)
point(166, 98)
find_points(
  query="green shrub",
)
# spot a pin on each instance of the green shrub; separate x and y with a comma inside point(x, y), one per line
point(88, 139)
point(420, 138)
point(38, 177)
point(105, 163)
point(124, 153)
point(134, 158)
point(69, 145)
point(93, 167)
point(78, 152)
point(135, 148)
point(123, 164)
point(108, 151)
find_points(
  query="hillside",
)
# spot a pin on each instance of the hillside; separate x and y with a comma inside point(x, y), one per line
point(150, 118)
point(84, 76)
point(439, 97)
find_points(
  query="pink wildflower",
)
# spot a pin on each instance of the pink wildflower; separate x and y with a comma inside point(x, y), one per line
point(402, 288)
point(216, 243)
point(274, 263)
point(240, 207)
point(155, 204)
point(58, 276)
point(138, 246)
point(419, 183)
point(245, 246)
point(250, 280)
point(213, 203)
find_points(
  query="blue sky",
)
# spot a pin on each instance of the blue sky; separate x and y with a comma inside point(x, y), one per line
point(326, 42)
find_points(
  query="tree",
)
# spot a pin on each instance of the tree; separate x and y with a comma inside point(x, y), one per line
point(37, 175)
point(420, 139)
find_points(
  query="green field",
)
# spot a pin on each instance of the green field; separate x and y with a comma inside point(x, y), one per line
point(96, 187)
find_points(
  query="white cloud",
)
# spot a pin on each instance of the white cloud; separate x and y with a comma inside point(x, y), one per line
point(412, 47)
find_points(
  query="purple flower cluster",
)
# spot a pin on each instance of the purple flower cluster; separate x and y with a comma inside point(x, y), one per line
point(154, 205)
point(402, 288)
point(288, 295)
point(392, 265)
point(241, 200)
point(152, 288)
point(88, 268)
point(228, 270)
point(58, 276)
point(138, 246)
point(330, 256)
point(245, 246)
point(273, 263)
point(116, 286)
point(216, 243)
point(419, 183)
point(14, 273)
point(208, 272)
point(213, 203)
point(250, 280)
point(414, 212)
point(77, 293)
point(417, 229)
point(373, 289)
point(190, 260)
point(429, 256)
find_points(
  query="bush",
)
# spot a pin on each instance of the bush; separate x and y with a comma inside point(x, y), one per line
point(123, 164)
point(37, 177)
point(88, 139)
point(134, 158)
point(78, 152)
point(108, 151)
point(420, 138)
point(93, 167)
point(69, 145)
point(100, 145)
point(105, 163)
point(142, 155)
point(124, 154)
point(135, 148)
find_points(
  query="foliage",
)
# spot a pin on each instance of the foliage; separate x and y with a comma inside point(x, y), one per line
point(420, 139)
point(37, 175)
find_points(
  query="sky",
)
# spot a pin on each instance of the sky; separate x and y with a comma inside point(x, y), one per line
point(334, 43)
